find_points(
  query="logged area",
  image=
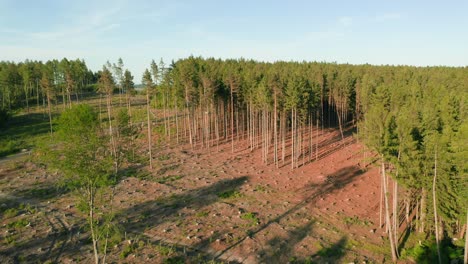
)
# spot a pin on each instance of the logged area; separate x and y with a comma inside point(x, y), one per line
point(233, 161)
point(209, 205)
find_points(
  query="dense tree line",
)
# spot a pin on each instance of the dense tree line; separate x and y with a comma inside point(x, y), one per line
point(33, 82)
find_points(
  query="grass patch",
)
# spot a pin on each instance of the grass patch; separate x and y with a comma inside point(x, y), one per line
point(251, 217)
point(260, 188)
point(19, 224)
point(11, 239)
point(201, 214)
point(165, 250)
point(10, 212)
point(9, 146)
point(356, 221)
point(164, 157)
point(23, 131)
point(230, 194)
point(167, 179)
point(131, 248)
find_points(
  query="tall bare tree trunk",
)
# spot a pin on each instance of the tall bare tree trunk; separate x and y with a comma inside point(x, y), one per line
point(283, 137)
point(149, 129)
point(176, 121)
point(382, 181)
point(49, 111)
point(434, 201)
point(64, 100)
point(26, 94)
point(91, 224)
point(465, 258)
point(395, 212)
point(232, 120)
point(423, 211)
point(387, 213)
point(111, 133)
point(292, 138)
point(340, 125)
point(316, 139)
point(275, 132)
point(37, 93)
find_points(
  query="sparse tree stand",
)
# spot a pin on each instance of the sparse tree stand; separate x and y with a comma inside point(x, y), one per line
point(46, 86)
point(148, 82)
point(129, 88)
point(106, 86)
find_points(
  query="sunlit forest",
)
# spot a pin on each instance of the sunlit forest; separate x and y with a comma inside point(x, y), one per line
point(95, 130)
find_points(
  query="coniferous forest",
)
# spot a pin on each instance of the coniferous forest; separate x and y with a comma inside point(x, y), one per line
point(413, 122)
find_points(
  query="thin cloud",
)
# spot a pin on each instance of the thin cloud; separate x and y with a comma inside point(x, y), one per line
point(85, 28)
point(345, 21)
point(323, 35)
point(388, 17)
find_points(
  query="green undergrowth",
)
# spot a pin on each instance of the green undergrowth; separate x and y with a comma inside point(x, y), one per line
point(230, 194)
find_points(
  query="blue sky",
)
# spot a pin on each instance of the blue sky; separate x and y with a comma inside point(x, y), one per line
point(377, 32)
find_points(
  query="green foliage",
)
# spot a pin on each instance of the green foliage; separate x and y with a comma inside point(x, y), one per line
point(201, 214)
point(82, 156)
point(356, 221)
point(261, 188)
point(9, 146)
point(11, 239)
point(165, 250)
point(81, 153)
point(131, 247)
point(230, 194)
point(126, 251)
point(18, 224)
point(425, 252)
point(251, 217)
point(10, 212)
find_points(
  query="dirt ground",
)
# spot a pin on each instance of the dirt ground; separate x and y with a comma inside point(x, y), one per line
point(200, 205)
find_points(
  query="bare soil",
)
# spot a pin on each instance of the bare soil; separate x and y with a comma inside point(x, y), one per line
point(208, 204)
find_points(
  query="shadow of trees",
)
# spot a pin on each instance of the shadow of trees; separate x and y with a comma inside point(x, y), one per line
point(153, 213)
point(281, 249)
point(333, 253)
point(334, 182)
point(150, 214)
point(64, 238)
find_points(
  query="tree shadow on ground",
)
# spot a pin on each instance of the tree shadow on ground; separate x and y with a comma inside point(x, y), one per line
point(337, 180)
point(39, 193)
point(31, 124)
point(281, 249)
point(66, 234)
point(49, 246)
point(332, 254)
point(155, 212)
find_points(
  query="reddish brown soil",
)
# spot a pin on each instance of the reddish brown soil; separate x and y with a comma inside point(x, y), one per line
point(221, 205)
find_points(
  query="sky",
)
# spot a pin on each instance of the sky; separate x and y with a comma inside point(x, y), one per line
point(378, 32)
